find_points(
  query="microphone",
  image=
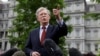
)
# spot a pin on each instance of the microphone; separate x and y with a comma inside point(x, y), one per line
point(9, 52)
point(52, 48)
point(74, 52)
point(19, 53)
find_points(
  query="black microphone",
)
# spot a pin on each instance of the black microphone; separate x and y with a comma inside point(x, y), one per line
point(74, 52)
point(9, 52)
point(52, 48)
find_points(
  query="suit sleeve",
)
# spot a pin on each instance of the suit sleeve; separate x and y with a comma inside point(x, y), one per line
point(28, 46)
point(60, 30)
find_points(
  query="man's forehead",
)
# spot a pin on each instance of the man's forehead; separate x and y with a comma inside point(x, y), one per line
point(42, 11)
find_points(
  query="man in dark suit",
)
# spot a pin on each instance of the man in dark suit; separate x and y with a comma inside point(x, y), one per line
point(34, 45)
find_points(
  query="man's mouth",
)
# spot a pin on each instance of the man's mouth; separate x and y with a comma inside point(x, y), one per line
point(43, 19)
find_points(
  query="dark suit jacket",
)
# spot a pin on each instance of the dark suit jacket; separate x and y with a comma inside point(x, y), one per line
point(53, 32)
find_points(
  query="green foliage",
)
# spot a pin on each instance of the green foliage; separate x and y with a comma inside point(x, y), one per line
point(26, 20)
point(62, 44)
point(94, 16)
point(97, 1)
point(98, 54)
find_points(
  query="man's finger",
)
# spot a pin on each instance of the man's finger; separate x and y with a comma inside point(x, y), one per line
point(35, 54)
point(38, 54)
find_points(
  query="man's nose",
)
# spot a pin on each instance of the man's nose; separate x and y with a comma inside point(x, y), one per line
point(43, 15)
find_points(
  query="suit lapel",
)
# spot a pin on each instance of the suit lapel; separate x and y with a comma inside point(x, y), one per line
point(37, 36)
point(48, 32)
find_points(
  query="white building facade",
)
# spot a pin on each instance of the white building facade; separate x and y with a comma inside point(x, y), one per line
point(4, 7)
point(85, 35)
point(7, 14)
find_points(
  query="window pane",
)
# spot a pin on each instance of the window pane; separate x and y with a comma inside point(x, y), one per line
point(96, 47)
point(77, 32)
point(96, 33)
point(78, 46)
point(0, 45)
point(1, 34)
point(88, 47)
point(77, 19)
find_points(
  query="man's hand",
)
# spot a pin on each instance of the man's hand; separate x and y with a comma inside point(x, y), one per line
point(56, 12)
point(35, 53)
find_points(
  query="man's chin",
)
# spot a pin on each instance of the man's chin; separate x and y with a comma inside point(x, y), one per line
point(45, 22)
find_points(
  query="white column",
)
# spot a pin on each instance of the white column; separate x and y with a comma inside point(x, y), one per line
point(3, 45)
point(82, 48)
point(4, 35)
point(8, 46)
point(98, 46)
point(92, 47)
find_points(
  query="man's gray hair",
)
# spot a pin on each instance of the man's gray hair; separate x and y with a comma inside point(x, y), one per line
point(40, 9)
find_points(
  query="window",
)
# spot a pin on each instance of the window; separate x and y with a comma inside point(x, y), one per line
point(77, 3)
point(0, 11)
point(96, 47)
point(6, 24)
point(95, 22)
point(78, 46)
point(77, 20)
point(5, 15)
point(0, 6)
point(1, 34)
point(88, 47)
point(0, 45)
point(91, 8)
point(95, 33)
point(5, 6)
point(88, 33)
point(77, 32)
point(1, 16)
point(6, 34)
point(88, 22)
point(69, 4)
point(68, 45)
point(1, 23)
point(5, 45)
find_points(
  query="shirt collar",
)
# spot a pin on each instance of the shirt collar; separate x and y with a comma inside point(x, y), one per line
point(45, 26)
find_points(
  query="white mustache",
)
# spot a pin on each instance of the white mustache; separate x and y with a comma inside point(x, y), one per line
point(43, 18)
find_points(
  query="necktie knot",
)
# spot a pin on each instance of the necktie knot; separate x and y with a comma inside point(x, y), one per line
point(43, 27)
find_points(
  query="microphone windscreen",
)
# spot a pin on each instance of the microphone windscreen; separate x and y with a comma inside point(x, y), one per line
point(52, 48)
point(74, 52)
point(19, 53)
point(10, 52)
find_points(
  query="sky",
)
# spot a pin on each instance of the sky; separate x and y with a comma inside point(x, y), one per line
point(4, 0)
point(88, 0)
point(7, 0)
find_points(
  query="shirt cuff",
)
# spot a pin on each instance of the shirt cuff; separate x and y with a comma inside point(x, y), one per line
point(60, 22)
point(30, 53)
